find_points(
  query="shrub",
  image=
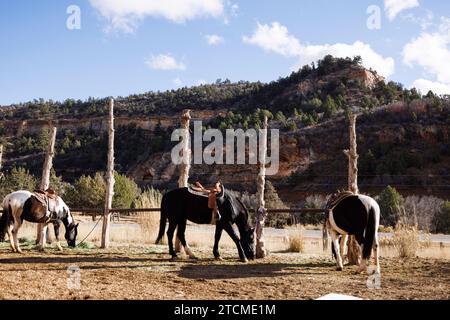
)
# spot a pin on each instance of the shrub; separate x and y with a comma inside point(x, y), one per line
point(87, 192)
point(390, 202)
point(150, 198)
point(296, 240)
point(273, 201)
point(441, 221)
point(423, 210)
point(17, 179)
point(125, 191)
point(406, 240)
point(313, 202)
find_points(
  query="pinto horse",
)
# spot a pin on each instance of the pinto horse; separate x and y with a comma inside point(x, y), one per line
point(358, 215)
point(180, 205)
point(18, 207)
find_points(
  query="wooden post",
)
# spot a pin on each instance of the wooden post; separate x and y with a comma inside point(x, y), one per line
point(45, 180)
point(110, 178)
point(1, 158)
point(186, 165)
point(353, 254)
point(261, 214)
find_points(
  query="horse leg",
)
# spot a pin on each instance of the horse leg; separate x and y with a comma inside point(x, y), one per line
point(43, 230)
point(363, 261)
point(170, 232)
point(56, 226)
point(376, 247)
point(15, 230)
point(10, 236)
point(180, 235)
point(229, 229)
point(335, 240)
point(217, 236)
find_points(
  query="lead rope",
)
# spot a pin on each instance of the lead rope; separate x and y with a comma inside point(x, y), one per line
point(90, 231)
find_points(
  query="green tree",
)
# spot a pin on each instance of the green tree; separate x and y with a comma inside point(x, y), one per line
point(279, 116)
point(441, 221)
point(57, 183)
point(273, 201)
point(43, 139)
point(87, 192)
point(329, 107)
point(125, 191)
point(390, 202)
point(17, 179)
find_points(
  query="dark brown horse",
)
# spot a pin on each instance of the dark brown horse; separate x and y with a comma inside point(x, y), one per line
point(180, 205)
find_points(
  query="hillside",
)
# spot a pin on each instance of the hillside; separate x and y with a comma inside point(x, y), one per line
point(403, 138)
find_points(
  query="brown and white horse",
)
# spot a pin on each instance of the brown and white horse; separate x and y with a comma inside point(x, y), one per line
point(358, 215)
point(17, 207)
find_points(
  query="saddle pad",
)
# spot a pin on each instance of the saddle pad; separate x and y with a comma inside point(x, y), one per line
point(40, 196)
point(336, 198)
point(198, 192)
point(194, 191)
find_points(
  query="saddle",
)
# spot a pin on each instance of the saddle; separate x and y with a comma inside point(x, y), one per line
point(212, 194)
point(336, 198)
point(40, 204)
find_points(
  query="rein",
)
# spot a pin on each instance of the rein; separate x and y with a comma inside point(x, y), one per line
point(82, 241)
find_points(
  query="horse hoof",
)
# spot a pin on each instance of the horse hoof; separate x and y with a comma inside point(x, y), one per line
point(244, 260)
point(175, 258)
point(359, 271)
point(193, 258)
point(339, 268)
point(218, 258)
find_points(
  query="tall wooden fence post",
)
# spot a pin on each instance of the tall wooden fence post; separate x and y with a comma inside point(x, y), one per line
point(185, 166)
point(261, 251)
point(110, 179)
point(1, 158)
point(45, 180)
point(353, 254)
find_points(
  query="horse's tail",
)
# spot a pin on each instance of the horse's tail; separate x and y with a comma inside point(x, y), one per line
point(370, 233)
point(4, 221)
point(326, 235)
point(163, 219)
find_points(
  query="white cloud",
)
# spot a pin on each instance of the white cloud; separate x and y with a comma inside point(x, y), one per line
point(164, 62)
point(214, 39)
point(125, 14)
point(424, 85)
point(201, 82)
point(234, 9)
point(177, 82)
point(371, 59)
point(394, 7)
point(276, 38)
point(431, 51)
point(424, 21)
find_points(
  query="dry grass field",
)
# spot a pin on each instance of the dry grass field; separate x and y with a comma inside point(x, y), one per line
point(137, 269)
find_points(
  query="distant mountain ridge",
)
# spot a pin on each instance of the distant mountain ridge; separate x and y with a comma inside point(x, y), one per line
point(402, 135)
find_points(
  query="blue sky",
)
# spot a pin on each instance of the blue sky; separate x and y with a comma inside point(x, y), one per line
point(135, 46)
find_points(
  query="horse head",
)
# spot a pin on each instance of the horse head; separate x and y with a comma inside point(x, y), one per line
point(248, 243)
point(247, 233)
point(62, 212)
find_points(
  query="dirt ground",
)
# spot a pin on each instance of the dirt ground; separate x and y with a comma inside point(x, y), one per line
point(148, 273)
